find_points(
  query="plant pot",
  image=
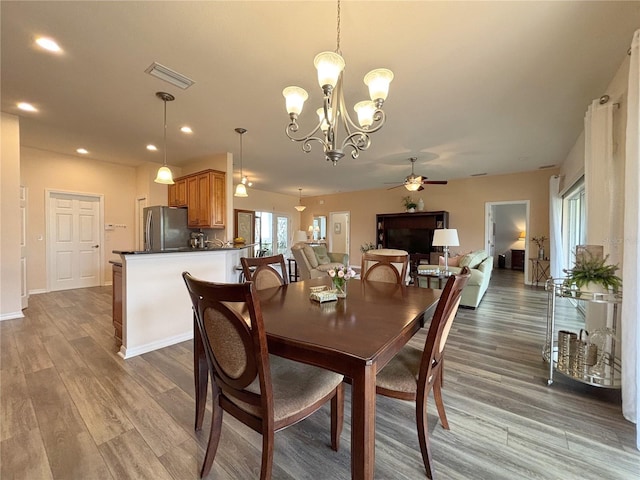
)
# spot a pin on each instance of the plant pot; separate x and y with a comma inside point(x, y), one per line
point(593, 287)
point(411, 210)
point(541, 254)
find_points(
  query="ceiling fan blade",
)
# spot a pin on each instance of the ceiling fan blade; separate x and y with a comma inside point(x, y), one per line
point(391, 188)
point(434, 182)
point(421, 188)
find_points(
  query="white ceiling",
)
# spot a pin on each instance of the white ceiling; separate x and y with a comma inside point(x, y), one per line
point(480, 87)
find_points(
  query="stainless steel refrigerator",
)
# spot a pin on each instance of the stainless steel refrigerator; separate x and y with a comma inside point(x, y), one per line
point(165, 228)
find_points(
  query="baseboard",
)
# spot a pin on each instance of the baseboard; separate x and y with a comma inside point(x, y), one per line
point(149, 347)
point(11, 316)
point(38, 291)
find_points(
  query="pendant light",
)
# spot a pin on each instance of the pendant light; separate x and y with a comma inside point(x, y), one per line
point(164, 175)
point(300, 207)
point(241, 189)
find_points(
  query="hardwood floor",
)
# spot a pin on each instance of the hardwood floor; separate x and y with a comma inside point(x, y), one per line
point(72, 409)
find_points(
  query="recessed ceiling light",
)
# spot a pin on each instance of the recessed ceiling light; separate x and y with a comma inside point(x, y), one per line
point(186, 129)
point(27, 107)
point(48, 44)
point(152, 148)
point(82, 151)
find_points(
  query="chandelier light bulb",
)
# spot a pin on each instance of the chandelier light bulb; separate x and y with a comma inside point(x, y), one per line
point(329, 65)
point(365, 111)
point(378, 82)
point(295, 98)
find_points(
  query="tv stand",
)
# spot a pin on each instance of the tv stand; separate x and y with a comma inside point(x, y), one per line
point(412, 232)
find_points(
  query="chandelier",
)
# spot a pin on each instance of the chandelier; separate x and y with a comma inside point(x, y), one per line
point(333, 114)
point(300, 207)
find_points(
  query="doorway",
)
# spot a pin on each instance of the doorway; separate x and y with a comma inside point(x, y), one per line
point(339, 232)
point(74, 238)
point(504, 227)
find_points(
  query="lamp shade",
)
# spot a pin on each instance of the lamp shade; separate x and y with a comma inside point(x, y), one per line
point(164, 176)
point(241, 190)
point(294, 99)
point(299, 236)
point(522, 236)
point(445, 237)
point(378, 82)
point(329, 66)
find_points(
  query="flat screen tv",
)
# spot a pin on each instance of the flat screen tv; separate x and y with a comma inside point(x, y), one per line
point(413, 240)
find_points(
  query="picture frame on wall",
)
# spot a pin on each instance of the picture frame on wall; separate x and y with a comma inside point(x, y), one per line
point(337, 228)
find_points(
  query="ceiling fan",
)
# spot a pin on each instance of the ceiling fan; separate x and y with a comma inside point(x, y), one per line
point(414, 182)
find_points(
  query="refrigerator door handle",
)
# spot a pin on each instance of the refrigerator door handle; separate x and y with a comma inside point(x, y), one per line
point(147, 231)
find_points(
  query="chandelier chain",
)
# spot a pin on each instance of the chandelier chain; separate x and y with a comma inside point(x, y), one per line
point(338, 51)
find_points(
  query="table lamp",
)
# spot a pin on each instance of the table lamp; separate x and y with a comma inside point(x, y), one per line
point(445, 237)
point(299, 236)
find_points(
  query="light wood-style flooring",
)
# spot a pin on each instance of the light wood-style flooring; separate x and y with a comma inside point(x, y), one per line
point(72, 409)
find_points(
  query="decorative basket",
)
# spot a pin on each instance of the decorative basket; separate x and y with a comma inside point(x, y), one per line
point(566, 348)
point(585, 354)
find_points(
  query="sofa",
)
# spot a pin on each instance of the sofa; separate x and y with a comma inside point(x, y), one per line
point(314, 261)
point(481, 266)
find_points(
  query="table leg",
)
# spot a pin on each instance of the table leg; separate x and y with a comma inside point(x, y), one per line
point(200, 374)
point(363, 423)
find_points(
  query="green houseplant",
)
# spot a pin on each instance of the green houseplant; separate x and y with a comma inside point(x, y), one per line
point(592, 269)
point(409, 204)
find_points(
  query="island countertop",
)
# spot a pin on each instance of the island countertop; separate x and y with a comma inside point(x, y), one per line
point(184, 250)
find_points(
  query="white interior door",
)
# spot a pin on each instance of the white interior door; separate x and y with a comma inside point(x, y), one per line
point(339, 232)
point(24, 292)
point(74, 241)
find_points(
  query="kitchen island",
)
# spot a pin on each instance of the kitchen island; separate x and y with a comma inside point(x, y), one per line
point(156, 308)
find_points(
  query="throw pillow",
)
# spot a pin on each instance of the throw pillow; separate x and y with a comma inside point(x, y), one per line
point(453, 261)
point(311, 256)
point(473, 259)
point(322, 255)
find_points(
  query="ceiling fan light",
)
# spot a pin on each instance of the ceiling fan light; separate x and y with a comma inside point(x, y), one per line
point(329, 66)
point(412, 187)
point(294, 99)
point(164, 176)
point(300, 208)
point(241, 190)
point(378, 81)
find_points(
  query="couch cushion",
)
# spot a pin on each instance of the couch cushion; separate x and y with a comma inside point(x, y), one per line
point(473, 259)
point(328, 266)
point(311, 256)
point(321, 254)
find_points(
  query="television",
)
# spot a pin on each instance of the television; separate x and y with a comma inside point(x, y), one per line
point(413, 240)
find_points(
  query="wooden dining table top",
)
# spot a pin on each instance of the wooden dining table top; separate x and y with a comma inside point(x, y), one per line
point(359, 327)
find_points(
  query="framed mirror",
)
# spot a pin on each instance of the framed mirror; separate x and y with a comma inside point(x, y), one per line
point(244, 225)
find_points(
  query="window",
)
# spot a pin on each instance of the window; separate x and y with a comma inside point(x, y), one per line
point(574, 220)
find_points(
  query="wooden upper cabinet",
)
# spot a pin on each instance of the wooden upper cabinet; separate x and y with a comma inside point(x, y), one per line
point(204, 196)
point(178, 193)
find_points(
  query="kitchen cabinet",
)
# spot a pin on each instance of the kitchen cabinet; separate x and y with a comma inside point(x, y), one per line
point(117, 301)
point(178, 193)
point(204, 197)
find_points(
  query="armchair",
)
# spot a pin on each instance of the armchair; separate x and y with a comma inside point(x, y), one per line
point(315, 261)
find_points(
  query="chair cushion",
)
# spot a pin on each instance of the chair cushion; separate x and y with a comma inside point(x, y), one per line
point(311, 256)
point(328, 266)
point(453, 261)
point(401, 373)
point(295, 386)
point(321, 254)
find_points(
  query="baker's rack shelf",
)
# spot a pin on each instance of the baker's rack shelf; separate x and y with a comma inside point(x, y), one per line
point(606, 372)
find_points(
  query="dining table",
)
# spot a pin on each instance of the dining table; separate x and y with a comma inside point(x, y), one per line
point(355, 336)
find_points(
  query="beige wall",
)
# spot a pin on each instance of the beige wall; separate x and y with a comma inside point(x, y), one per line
point(464, 200)
point(10, 301)
point(41, 170)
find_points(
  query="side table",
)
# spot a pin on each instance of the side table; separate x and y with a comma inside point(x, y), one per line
point(539, 270)
point(292, 266)
point(432, 276)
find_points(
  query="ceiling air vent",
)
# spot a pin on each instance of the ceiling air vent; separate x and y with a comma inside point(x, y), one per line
point(168, 75)
point(545, 166)
point(478, 174)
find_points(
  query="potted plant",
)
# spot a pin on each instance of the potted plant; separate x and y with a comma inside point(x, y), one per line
point(409, 204)
point(539, 241)
point(591, 274)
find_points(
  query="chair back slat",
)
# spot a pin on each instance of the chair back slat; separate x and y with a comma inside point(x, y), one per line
point(440, 327)
point(384, 268)
point(261, 271)
point(230, 324)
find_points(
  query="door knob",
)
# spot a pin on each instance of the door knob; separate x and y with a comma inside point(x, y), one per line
point(95, 246)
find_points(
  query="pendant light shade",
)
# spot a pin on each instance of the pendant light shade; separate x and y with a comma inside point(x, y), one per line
point(241, 189)
point(300, 207)
point(164, 175)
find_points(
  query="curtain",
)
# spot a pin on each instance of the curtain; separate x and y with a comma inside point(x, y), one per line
point(630, 307)
point(555, 228)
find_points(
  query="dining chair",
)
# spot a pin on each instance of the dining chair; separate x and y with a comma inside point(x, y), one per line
point(384, 268)
point(261, 271)
point(413, 372)
point(265, 392)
